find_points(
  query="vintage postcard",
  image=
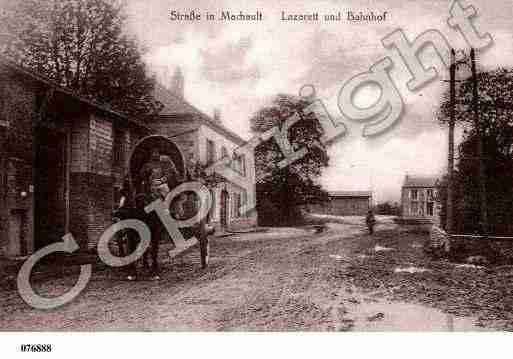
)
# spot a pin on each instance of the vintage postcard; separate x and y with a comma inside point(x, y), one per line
point(226, 166)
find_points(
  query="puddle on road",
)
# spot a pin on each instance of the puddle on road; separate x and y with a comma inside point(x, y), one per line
point(468, 266)
point(379, 248)
point(398, 316)
point(411, 270)
point(274, 233)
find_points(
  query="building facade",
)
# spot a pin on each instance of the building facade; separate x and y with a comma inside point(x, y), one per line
point(418, 198)
point(345, 203)
point(63, 160)
point(203, 139)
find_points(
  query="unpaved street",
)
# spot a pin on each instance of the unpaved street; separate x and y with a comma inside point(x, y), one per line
point(280, 280)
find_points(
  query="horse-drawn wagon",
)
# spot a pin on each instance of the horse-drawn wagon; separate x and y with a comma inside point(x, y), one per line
point(155, 168)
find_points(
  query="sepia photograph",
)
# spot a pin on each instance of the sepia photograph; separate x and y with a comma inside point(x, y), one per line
point(330, 167)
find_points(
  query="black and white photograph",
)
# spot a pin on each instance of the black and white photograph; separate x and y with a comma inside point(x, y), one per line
point(328, 167)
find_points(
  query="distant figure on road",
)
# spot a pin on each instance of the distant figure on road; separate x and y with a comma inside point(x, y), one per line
point(371, 221)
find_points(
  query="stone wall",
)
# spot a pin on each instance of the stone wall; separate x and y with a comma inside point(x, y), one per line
point(183, 132)
point(100, 145)
point(94, 191)
point(122, 144)
point(90, 176)
point(17, 103)
point(79, 162)
point(439, 240)
point(96, 146)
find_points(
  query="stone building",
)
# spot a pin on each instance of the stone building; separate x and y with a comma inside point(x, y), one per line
point(63, 158)
point(345, 203)
point(418, 198)
point(204, 139)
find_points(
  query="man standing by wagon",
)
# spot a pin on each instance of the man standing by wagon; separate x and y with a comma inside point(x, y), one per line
point(157, 177)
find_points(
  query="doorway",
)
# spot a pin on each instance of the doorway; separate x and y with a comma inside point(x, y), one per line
point(18, 231)
point(49, 187)
point(224, 209)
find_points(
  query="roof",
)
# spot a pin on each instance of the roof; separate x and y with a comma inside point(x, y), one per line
point(350, 193)
point(419, 181)
point(175, 107)
point(172, 104)
point(47, 81)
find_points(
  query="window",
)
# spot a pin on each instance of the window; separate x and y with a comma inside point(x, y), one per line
point(236, 204)
point(240, 164)
point(212, 211)
point(414, 194)
point(211, 152)
point(243, 164)
point(430, 209)
point(430, 194)
point(414, 208)
point(239, 204)
point(235, 164)
point(232, 205)
point(224, 152)
point(244, 199)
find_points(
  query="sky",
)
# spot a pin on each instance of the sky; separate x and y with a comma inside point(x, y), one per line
point(238, 66)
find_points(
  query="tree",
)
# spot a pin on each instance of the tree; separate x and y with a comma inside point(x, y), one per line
point(280, 191)
point(496, 124)
point(81, 45)
point(387, 208)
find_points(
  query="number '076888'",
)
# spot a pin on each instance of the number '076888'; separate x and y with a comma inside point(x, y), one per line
point(36, 348)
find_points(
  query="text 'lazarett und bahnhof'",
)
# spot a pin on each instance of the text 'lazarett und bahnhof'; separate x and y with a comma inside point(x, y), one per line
point(284, 16)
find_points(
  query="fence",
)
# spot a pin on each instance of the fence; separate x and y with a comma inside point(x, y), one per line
point(443, 243)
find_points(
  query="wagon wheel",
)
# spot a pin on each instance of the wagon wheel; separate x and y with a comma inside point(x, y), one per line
point(201, 231)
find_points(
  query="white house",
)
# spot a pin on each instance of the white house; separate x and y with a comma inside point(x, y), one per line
point(418, 198)
point(204, 139)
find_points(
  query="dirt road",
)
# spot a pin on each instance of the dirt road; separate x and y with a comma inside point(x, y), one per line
point(261, 281)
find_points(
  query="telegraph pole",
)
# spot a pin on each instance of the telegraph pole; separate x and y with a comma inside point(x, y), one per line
point(480, 147)
point(449, 225)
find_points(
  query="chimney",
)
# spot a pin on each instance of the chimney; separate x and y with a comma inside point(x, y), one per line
point(177, 83)
point(217, 115)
